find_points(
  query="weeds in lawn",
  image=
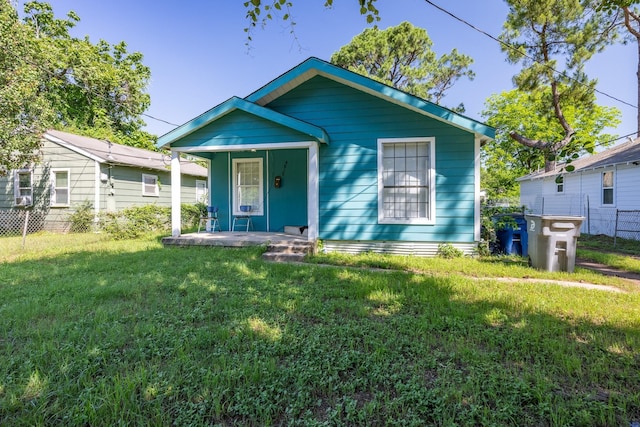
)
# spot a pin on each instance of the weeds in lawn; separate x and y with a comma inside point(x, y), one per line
point(131, 333)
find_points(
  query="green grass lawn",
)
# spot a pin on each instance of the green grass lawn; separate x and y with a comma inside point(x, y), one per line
point(97, 332)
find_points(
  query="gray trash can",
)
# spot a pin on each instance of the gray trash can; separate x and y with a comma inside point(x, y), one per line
point(552, 241)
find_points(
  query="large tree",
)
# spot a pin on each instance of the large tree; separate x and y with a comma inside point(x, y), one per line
point(626, 19)
point(50, 79)
point(504, 159)
point(553, 39)
point(24, 109)
point(402, 57)
point(95, 89)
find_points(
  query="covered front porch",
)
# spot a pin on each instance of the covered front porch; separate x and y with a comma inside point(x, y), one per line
point(249, 149)
point(280, 246)
point(234, 239)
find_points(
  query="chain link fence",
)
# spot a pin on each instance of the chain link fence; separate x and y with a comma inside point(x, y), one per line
point(15, 222)
point(627, 225)
point(129, 222)
point(609, 221)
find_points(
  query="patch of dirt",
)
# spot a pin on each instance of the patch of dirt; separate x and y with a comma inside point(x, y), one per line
point(608, 271)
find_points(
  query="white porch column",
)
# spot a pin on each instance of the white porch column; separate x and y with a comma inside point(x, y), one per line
point(476, 178)
point(96, 191)
point(313, 205)
point(176, 196)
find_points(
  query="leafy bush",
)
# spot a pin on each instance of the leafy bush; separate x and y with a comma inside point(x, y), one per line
point(448, 251)
point(191, 214)
point(82, 219)
point(136, 221)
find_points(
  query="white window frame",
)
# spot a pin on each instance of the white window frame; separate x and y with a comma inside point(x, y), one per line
point(17, 190)
point(560, 185)
point(235, 204)
point(612, 188)
point(430, 179)
point(201, 191)
point(156, 192)
point(54, 189)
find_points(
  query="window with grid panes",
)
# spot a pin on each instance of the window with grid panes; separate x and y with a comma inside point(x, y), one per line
point(405, 180)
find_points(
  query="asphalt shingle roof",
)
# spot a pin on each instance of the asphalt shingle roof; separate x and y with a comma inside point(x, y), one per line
point(626, 152)
point(110, 152)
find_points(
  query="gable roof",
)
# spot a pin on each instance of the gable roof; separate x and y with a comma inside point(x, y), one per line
point(314, 66)
point(628, 152)
point(108, 152)
point(305, 71)
point(238, 104)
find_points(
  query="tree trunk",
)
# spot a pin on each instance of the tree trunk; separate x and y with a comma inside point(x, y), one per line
point(628, 17)
point(638, 88)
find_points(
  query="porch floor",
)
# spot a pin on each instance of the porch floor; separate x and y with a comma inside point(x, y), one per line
point(234, 239)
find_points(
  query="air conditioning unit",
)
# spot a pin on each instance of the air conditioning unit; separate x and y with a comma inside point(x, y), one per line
point(23, 201)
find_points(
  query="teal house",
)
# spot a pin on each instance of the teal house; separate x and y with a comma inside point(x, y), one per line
point(340, 158)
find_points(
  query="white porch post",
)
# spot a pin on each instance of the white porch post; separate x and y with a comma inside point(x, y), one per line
point(96, 191)
point(313, 193)
point(176, 196)
point(476, 178)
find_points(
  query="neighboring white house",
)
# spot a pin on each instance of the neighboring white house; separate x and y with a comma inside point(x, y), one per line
point(600, 185)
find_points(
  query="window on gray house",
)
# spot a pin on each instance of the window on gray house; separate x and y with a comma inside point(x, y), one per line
point(607, 188)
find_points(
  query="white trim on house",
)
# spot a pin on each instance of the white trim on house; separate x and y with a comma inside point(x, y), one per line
point(202, 196)
point(22, 200)
point(245, 147)
point(313, 193)
point(97, 175)
point(612, 188)
point(430, 178)
point(145, 185)
point(235, 207)
point(313, 185)
point(53, 201)
point(422, 249)
point(176, 190)
point(477, 220)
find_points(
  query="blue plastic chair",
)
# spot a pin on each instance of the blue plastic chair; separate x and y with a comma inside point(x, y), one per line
point(237, 219)
point(212, 217)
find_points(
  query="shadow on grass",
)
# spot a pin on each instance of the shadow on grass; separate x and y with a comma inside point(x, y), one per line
point(216, 336)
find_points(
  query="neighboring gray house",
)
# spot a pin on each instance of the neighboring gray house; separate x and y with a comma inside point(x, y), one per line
point(77, 169)
point(600, 185)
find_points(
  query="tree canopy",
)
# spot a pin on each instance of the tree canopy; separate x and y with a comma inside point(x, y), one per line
point(51, 79)
point(626, 19)
point(24, 111)
point(402, 57)
point(553, 39)
point(504, 159)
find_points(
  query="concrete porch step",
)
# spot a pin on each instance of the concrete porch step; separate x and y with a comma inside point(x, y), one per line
point(290, 248)
point(287, 252)
point(282, 257)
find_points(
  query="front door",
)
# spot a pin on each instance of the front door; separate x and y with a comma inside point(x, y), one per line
point(287, 189)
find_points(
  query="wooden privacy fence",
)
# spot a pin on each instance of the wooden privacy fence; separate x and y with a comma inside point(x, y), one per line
point(627, 225)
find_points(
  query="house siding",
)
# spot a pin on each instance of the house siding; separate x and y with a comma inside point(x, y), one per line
point(582, 196)
point(126, 182)
point(238, 128)
point(284, 206)
point(348, 165)
point(127, 187)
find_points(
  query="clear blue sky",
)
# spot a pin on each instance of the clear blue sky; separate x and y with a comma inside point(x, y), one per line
point(197, 51)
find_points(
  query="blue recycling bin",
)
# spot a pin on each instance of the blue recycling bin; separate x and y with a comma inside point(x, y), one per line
point(513, 240)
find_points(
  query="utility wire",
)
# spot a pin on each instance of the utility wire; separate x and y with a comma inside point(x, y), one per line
point(508, 46)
